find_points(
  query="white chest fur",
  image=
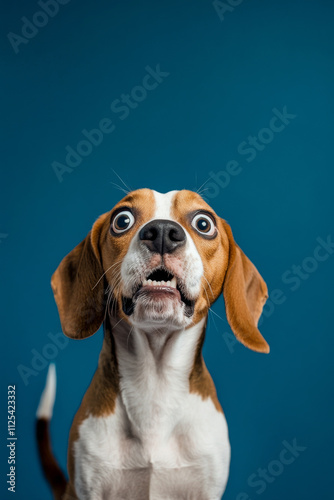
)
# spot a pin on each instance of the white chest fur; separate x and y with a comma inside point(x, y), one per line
point(161, 443)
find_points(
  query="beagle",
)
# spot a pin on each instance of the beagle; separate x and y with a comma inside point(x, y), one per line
point(150, 425)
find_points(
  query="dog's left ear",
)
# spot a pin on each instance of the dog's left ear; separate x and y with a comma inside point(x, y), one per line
point(79, 288)
point(245, 294)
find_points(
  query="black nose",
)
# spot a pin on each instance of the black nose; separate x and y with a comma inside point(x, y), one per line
point(162, 236)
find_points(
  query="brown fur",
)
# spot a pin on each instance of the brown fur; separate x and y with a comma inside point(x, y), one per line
point(200, 381)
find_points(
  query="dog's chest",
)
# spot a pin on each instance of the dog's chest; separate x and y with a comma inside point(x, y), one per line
point(190, 460)
point(162, 442)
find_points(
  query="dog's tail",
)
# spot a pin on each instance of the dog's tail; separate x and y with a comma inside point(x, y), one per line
point(51, 469)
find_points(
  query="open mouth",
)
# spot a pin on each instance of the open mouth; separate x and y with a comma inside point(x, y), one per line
point(159, 284)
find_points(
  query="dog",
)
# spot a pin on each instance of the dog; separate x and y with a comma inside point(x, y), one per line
point(150, 425)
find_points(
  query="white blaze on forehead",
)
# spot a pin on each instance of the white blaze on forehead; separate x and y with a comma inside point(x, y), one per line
point(163, 204)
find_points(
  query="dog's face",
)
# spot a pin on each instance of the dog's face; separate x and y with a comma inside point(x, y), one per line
point(159, 261)
point(169, 247)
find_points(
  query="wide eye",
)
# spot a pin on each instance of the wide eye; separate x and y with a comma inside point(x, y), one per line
point(204, 224)
point(122, 221)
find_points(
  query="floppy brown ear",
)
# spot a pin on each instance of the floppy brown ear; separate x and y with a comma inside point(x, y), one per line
point(78, 289)
point(245, 294)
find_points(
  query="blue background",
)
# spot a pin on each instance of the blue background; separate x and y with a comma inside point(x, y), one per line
point(225, 77)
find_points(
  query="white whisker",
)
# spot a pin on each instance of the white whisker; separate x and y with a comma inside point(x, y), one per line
point(106, 273)
point(117, 323)
point(120, 188)
point(198, 190)
point(127, 340)
point(127, 187)
point(208, 284)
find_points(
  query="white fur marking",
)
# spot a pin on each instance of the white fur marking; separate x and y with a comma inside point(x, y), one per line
point(45, 407)
point(163, 204)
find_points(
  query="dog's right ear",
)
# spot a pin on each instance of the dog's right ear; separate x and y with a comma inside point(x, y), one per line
point(79, 287)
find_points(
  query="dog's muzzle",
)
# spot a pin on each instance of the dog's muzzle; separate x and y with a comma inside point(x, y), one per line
point(160, 237)
point(159, 284)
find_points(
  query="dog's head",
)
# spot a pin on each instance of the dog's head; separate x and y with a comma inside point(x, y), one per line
point(159, 261)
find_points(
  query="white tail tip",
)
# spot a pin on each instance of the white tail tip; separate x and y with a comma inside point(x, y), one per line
point(45, 407)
